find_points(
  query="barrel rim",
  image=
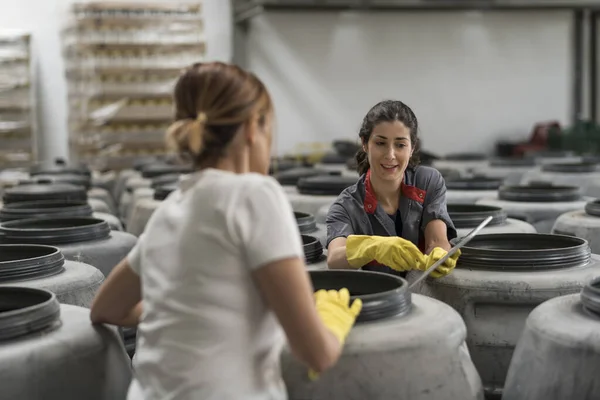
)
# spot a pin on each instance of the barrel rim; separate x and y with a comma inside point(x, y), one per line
point(571, 168)
point(522, 252)
point(539, 193)
point(474, 214)
point(394, 302)
point(48, 261)
point(41, 315)
point(590, 297)
point(83, 229)
point(306, 222)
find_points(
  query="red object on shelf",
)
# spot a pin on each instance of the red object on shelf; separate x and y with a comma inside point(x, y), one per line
point(538, 139)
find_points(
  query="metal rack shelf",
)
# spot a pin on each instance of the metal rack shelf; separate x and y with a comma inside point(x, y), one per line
point(585, 13)
point(122, 61)
point(18, 146)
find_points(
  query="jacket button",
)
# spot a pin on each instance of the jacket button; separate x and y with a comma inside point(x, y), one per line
point(421, 195)
point(369, 206)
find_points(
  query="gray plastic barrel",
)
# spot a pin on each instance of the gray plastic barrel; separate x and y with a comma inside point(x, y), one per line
point(469, 190)
point(581, 223)
point(52, 351)
point(55, 209)
point(403, 346)
point(540, 205)
point(125, 200)
point(44, 267)
point(318, 191)
point(468, 216)
point(585, 175)
point(145, 206)
point(87, 240)
point(499, 279)
point(121, 182)
point(104, 196)
point(558, 354)
point(509, 170)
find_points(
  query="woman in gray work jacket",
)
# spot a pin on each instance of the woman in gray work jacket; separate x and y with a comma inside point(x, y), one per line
point(394, 195)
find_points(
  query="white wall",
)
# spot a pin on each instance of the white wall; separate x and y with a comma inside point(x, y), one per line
point(470, 77)
point(44, 18)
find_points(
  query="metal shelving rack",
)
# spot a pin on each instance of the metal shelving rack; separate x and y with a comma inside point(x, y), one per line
point(18, 146)
point(585, 13)
point(122, 61)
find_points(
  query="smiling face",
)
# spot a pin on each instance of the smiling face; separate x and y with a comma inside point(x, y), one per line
point(389, 149)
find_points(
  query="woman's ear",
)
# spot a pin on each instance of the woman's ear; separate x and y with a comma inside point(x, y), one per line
point(250, 130)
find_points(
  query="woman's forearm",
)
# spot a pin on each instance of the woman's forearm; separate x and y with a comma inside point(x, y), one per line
point(336, 258)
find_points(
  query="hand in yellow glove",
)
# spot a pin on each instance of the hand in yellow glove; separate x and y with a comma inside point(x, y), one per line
point(393, 251)
point(443, 269)
point(336, 313)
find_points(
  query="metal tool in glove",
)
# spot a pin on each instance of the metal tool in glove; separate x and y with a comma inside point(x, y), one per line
point(453, 250)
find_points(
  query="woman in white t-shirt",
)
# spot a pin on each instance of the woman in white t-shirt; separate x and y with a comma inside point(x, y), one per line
point(219, 269)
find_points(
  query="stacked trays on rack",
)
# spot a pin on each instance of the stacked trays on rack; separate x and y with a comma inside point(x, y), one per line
point(17, 122)
point(122, 62)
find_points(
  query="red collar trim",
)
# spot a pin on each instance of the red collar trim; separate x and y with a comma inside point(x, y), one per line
point(370, 203)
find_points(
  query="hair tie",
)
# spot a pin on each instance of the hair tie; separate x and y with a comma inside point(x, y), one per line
point(201, 117)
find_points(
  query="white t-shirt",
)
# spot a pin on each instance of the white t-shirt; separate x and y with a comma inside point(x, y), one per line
point(206, 332)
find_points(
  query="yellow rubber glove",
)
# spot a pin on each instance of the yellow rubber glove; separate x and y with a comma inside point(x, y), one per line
point(336, 313)
point(393, 251)
point(443, 269)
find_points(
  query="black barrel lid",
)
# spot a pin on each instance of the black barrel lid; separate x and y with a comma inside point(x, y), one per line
point(324, 185)
point(313, 249)
point(157, 169)
point(383, 295)
point(58, 167)
point(590, 297)
point(72, 179)
point(45, 209)
point(427, 158)
point(466, 157)
point(20, 262)
point(162, 192)
point(540, 193)
point(512, 162)
point(164, 180)
point(24, 311)
point(571, 168)
point(449, 173)
point(476, 183)
point(58, 191)
point(346, 148)
point(291, 176)
point(471, 215)
point(334, 158)
point(593, 208)
point(279, 165)
point(306, 222)
point(54, 231)
point(524, 252)
point(140, 163)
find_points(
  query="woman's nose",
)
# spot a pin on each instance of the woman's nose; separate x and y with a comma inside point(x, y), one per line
point(389, 154)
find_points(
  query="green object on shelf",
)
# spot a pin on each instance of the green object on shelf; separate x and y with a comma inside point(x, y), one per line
point(582, 138)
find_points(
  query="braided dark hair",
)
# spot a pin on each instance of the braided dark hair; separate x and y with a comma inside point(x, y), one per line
point(387, 111)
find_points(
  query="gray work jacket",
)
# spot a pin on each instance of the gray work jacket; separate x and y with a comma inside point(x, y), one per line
point(423, 199)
